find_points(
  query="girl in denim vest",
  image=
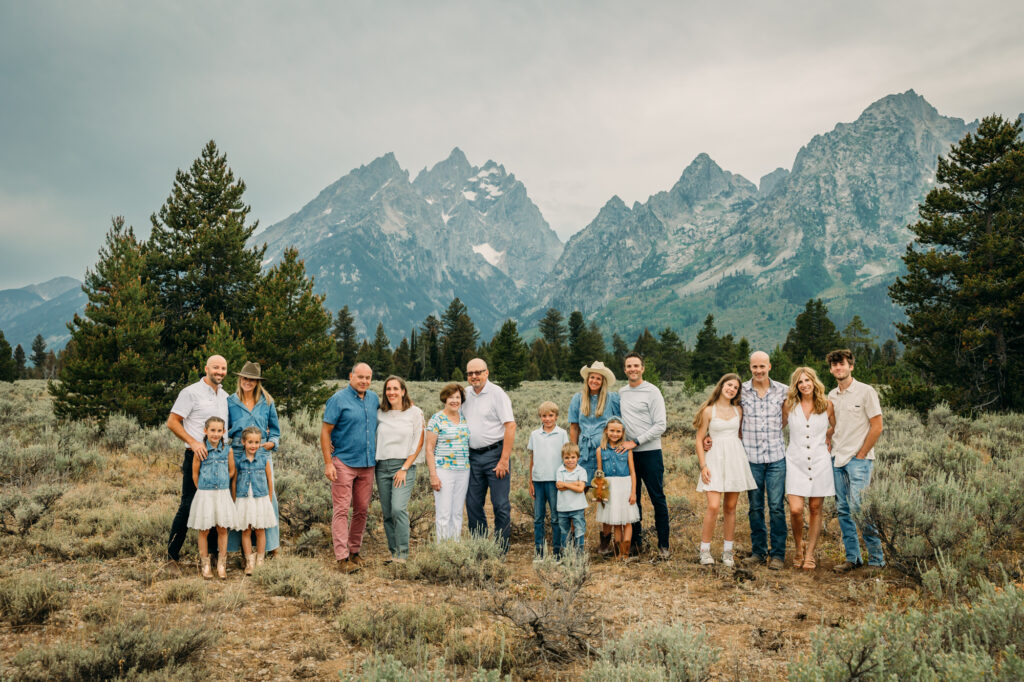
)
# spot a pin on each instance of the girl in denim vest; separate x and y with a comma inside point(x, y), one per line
point(253, 488)
point(620, 511)
point(212, 507)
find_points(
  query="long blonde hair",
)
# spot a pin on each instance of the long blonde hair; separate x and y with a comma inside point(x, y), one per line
point(602, 396)
point(817, 395)
point(256, 396)
point(716, 394)
point(605, 443)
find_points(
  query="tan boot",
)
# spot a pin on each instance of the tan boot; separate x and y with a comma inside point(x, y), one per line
point(260, 557)
point(250, 562)
point(205, 567)
point(222, 566)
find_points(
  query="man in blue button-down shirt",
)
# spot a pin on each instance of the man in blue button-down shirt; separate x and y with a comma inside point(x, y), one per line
point(348, 441)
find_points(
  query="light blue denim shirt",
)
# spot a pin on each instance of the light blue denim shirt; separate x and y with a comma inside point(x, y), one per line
point(252, 473)
point(213, 471)
point(614, 463)
point(592, 427)
point(354, 426)
point(263, 415)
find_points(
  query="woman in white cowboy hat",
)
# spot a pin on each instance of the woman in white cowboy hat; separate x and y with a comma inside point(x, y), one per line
point(251, 405)
point(587, 418)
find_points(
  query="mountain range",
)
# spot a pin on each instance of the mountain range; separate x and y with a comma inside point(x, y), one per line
point(396, 249)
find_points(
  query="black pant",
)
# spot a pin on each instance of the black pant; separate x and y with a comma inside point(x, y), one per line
point(650, 472)
point(481, 479)
point(179, 526)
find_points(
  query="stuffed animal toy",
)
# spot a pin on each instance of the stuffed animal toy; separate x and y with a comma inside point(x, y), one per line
point(600, 487)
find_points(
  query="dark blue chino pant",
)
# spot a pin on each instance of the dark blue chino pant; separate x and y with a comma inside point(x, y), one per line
point(650, 472)
point(481, 479)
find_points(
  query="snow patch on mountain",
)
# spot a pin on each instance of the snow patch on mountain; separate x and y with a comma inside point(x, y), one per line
point(490, 254)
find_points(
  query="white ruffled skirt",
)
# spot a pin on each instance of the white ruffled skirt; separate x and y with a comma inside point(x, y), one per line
point(617, 511)
point(212, 508)
point(257, 512)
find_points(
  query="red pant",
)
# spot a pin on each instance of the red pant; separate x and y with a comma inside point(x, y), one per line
point(352, 487)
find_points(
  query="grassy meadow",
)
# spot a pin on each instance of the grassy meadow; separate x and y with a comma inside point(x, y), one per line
point(84, 518)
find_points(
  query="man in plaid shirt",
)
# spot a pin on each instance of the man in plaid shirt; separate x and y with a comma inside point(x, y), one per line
point(763, 420)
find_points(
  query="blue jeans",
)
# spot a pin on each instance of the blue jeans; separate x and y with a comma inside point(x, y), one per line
point(851, 482)
point(579, 527)
point(650, 472)
point(545, 493)
point(771, 480)
point(481, 479)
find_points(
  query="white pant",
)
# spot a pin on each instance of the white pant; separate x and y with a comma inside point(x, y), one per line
point(449, 502)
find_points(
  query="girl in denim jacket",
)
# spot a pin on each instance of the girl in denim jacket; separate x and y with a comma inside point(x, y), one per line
point(253, 488)
point(212, 506)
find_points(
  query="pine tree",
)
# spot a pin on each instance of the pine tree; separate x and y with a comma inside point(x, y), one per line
point(429, 348)
point(19, 361)
point(8, 366)
point(380, 361)
point(813, 335)
point(710, 357)
point(859, 339)
point(224, 341)
point(509, 357)
point(619, 352)
point(460, 337)
point(344, 333)
point(544, 359)
point(114, 362)
point(402, 360)
point(671, 355)
point(552, 328)
point(573, 361)
point(197, 259)
point(646, 345)
point(291, 338)
point(38, 356)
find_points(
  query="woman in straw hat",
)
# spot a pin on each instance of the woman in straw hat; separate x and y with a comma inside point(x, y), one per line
point(587, 418)
point(251, 405)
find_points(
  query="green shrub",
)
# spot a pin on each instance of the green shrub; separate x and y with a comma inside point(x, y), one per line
point(398, 627)
point(963, 642)
point(103, 611)
point(123, 650)
point(472, 561)
point(388, 668)
point(311, 581)
point(185, 590)
point(119, 431)
point(314, 542)
point(657, 652)
point(30, 598)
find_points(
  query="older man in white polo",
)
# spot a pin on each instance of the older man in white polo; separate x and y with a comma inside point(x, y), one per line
point(492, 431)
point(195, 404)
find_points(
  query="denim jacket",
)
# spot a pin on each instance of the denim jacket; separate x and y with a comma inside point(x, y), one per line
point(254, 472)
point(213, 471)
point(614, 463)
point(263, 415)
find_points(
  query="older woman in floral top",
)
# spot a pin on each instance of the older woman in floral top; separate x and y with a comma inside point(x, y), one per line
point(448, 462)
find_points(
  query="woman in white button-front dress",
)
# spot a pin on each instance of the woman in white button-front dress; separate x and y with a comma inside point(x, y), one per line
point(808, 462)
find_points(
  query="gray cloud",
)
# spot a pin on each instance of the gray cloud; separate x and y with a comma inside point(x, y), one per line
point(102, 102)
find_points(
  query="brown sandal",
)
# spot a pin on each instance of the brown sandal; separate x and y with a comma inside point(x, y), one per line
point(809, 564)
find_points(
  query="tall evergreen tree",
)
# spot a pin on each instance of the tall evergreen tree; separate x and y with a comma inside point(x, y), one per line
point(577, 327)
point(344, 334)
point(114, 361)
point(711, 354)
point(291, 336)
point(402, 360)
point(38, 352)
point(380, 353)
point(19, 361)
point(8, 366)
point(509, 357)
point(460, 337)
point(544, 359)
point(859, 339)
point(646, 345)
point(415, 368)
point(963, 292)
point(429, 348)
point(224, 341)
point(197, 258)
point(671, 355)
point(813, 334)
point(619, 352)
point(552, 329)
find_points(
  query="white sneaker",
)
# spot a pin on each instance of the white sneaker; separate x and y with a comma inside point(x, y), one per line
point(727, 559)
point(706, 559)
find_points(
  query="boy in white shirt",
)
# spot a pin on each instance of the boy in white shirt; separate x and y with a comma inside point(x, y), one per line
point(571, 482)
point(545, 448)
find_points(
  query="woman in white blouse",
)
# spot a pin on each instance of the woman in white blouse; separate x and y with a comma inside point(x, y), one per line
point(399, 446)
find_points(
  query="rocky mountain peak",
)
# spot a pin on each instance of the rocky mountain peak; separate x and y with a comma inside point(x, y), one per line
point(704, 178)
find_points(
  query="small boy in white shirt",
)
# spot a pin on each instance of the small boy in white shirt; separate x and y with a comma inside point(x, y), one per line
point(571, 482)
point(545, 448)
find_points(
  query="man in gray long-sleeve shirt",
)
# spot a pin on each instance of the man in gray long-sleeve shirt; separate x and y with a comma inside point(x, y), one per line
point(643, 413)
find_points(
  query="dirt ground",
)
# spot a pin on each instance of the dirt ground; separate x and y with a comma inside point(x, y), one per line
point(761, 619)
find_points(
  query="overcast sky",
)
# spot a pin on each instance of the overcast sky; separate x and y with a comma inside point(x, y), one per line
point(102, 101)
